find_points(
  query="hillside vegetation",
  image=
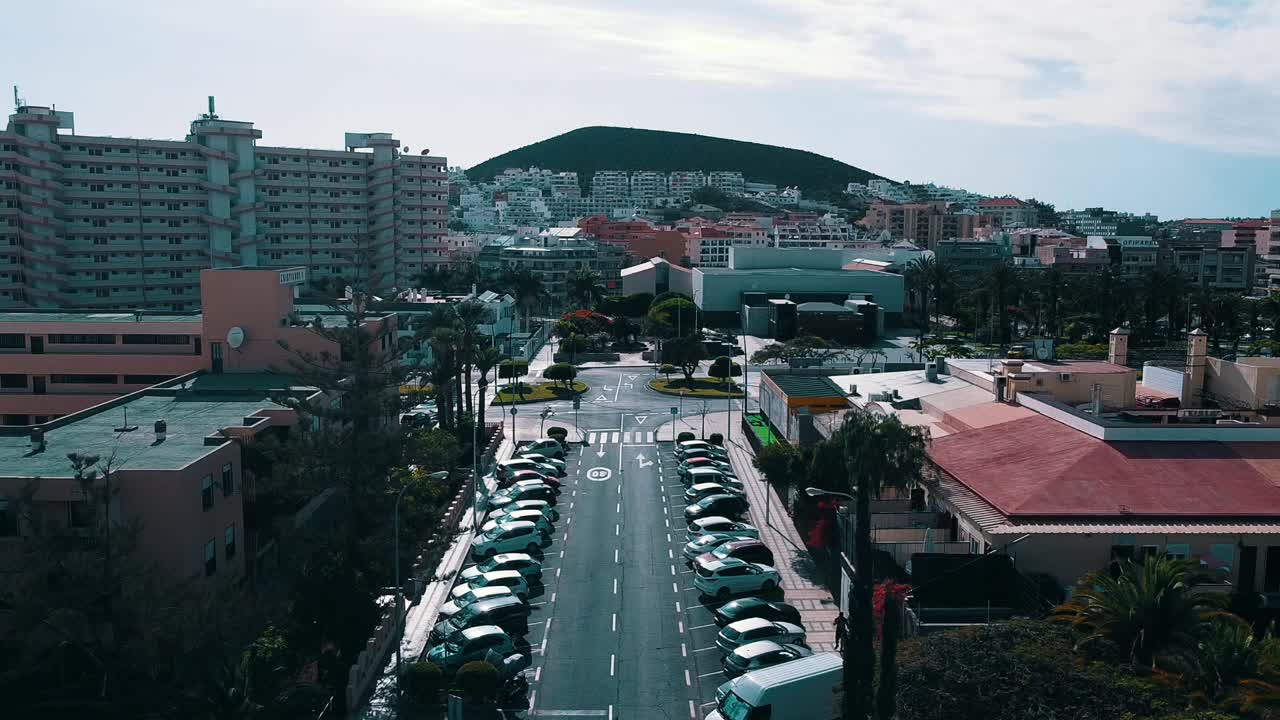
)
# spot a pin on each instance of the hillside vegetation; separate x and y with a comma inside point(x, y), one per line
point(589, 149)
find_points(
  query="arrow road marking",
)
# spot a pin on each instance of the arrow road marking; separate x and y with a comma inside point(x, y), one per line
point(644, 462)
point(632, 377)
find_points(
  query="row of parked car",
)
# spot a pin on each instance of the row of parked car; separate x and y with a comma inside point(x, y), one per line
point(729, 559)
point(489, 607)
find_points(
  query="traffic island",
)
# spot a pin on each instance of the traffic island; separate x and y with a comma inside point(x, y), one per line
point(539, 392)
point(699, 387)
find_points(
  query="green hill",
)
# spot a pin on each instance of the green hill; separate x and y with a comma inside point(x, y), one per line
point(589, 149)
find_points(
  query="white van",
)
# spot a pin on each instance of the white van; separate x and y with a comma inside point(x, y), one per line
point(801, 689)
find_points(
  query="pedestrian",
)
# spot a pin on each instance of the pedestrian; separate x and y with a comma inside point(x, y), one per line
point(842, 630)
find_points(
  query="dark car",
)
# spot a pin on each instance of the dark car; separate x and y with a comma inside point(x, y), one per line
point(730, 506)
point(539, 491)
point(748, 549)
point(701, 490)
point(509, 613)
point(753, 607)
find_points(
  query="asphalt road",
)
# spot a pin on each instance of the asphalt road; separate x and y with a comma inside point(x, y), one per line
point(621, 632)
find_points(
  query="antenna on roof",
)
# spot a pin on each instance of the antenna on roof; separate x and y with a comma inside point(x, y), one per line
point(126, 427)
point(17, 101)
point(211, 115)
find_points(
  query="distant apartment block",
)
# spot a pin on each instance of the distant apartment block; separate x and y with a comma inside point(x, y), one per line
point(648, 185)
point(795, 230)
point(729, 182)
point(1010, 212)
point(565, 185)
point(107, 222)
point(610, 184)
point(925, 224)
point(682, 184)
point(553, 256)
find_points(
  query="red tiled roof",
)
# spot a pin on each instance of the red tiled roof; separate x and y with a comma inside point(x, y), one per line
point(1038, 467)
point(1001, 202)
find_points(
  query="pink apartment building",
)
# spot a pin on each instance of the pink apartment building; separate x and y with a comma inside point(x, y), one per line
point(53, 363)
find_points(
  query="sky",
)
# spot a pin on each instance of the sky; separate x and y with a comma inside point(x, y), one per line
point(1163, 106)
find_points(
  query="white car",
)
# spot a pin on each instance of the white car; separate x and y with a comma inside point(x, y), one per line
point(706, 449)
point(498, 578)
point(541, 506)
point(507, 468)
point(540, 458)
point(704, 544)
point(471, 644)
point(721, 525)
point(757, 629)
point(456, 605)
point(534, 516)
point(520, 562)
point(545, 446)
point(518, 536)
point(731, 576)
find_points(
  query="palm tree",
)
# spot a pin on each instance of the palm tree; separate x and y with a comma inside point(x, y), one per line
point(525, 287)
point(1149, 609)
point(585, 287)
point(880, 453)
point(920, 274)
point(470, 315)
point(444, 351)
point(485, 359)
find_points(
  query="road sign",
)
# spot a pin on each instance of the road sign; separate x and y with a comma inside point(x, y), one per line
point(513, 411)
point(577, 403)
point(674, 410)
point(599, 474)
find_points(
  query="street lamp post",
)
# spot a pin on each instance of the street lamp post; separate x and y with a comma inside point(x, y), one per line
point(847, 656)
point(546, 412)
point(513, 426)
point(440, 475)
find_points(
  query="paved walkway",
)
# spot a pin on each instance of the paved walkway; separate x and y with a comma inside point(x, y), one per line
point(793, 561)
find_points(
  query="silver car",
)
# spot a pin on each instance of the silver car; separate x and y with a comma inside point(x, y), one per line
point(756, 629)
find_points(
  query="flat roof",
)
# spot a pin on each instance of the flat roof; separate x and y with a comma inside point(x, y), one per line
point(190, 416)
point(1038, 467)
point(45, 316)
point(806, 385)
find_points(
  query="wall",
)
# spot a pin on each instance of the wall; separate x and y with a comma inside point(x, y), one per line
point(1254, 381)
point(1163, 379)
point(721, 291)
point(1117, 388)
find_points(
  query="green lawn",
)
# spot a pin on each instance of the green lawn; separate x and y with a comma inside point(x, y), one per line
point(760, 426)
point(699, 387)
point(539, 392)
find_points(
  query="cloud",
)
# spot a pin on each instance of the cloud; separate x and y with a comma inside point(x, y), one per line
point(1202, 73)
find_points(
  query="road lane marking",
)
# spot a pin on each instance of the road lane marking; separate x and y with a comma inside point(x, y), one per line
point(537, 674)
point(668, 537)
point(568, 521)
point(675, 588)
point(553, 597)
point(673, 569)
point(687, 681)
point(540, 602)
point(557, 573)
point(668, 522)
point(664, 509)
point(713, 647)
point(617, 529)
point(677, 606)
point(615, 622)
point(685, 572)
point(671, 554)
point(615, 586)
point(715, 672)
point(681, 624)
point(616, 437)
point(615, 554)
point(545, 633)
point(533, 700)
point(684, 651)
point(571, 505)
point(618, 508)
point(699, 627)
point(612, 662)
point(693, 712)
point(535, 624)
point(561, 554)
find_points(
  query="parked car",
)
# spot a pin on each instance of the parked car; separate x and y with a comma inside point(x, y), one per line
point(506, 496)
point(730, 506)
point(752, 607)
point(785, 692)
point(522, 563)
point(456, 605)
point(701, 490)
point(508, 537)
point(508, 612)
point(720, 455)
point(755, 629)
point(504, 578)
point(534, 516)
point(704, 544)
point(544, 446)
point(687, 445)
point(471, 644)
point(706, 474)
point(749, 549)
point(508, 467)
point(722, 578)
point(540, 458)
point(525, 476)
point(722, 526)
point(761, 654)
point(541, 506)
point(720, 465)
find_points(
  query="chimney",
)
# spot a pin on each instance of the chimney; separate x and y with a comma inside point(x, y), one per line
point(1193, 376)
point(1095, 399)
point(1118, 349)
point(37, 440)
point(161, 430)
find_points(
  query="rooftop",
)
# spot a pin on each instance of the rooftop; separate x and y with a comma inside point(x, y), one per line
point(53, 316)
point(1038, 467)
point(191, 410)
point(805, 385)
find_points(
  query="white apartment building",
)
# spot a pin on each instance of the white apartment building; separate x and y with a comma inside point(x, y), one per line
point(565, 184)
point(682, 183)
point(797, 230)
point(647, 185)
point(610, 184)
point(729, 182)
point(887, 190)
point(107, 222)
point(930, 192)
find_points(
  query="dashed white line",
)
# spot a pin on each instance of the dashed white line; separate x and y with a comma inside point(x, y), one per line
point(671, 555)
point(615, 586)
point(617, 529)
point(618, 508)
point(668, 537)
point(612, 663)
point(570, 506)
point(664, 509)
point(533, 700)
point(537, 674)
point(687, 681)
point(545, 633)
point(610, 712)
point(553, 597)
point(684, 651)
point(673, 569)
point(668, 523)
point(615, 554)
point(615, 622)
point(675, 588)
point(568, 521)
point(557, 573)
point(677, 606)
point(681, 624)
point(693, 712)
point(561, 554)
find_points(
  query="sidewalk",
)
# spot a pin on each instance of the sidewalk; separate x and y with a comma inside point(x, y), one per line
point(421, 617)
point(793, 561)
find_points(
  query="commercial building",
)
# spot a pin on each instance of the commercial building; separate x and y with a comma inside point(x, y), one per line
point(55, 363)
point(969, 259)
point(1216, 268)
point(806, 275)
point(553, 256)
point(925, 224)
point(107, 222)
point(790, 400)
point(656, 276)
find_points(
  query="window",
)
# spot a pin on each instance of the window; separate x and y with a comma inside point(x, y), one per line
point(83, 379)
point(1177, 551)
point(157, 339)
point(82, 339)
point(79, 513)
point(210, 558)
point(206, 493)
point(8, 518)
point(13, 381)
point(12, 341)
point(146, 379)
point(229, 538)
point(228, 480)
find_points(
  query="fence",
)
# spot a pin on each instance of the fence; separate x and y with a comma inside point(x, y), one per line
point(369, 662)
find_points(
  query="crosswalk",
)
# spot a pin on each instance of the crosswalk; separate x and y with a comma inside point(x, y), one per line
point(626, 438)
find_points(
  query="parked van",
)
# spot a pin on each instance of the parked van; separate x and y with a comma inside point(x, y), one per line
point(802, 689)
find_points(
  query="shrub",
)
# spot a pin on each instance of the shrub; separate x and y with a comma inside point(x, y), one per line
point(478, 680)
point(512, 369)
point(722, 368)
point(557, 432)
point(716, 439)
point(667, 369)
point(560, 373)
point(1081, 351)
point(686, 436)
point(422, 682)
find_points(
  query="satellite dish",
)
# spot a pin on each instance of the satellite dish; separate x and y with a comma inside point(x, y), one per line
point(235, 337)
